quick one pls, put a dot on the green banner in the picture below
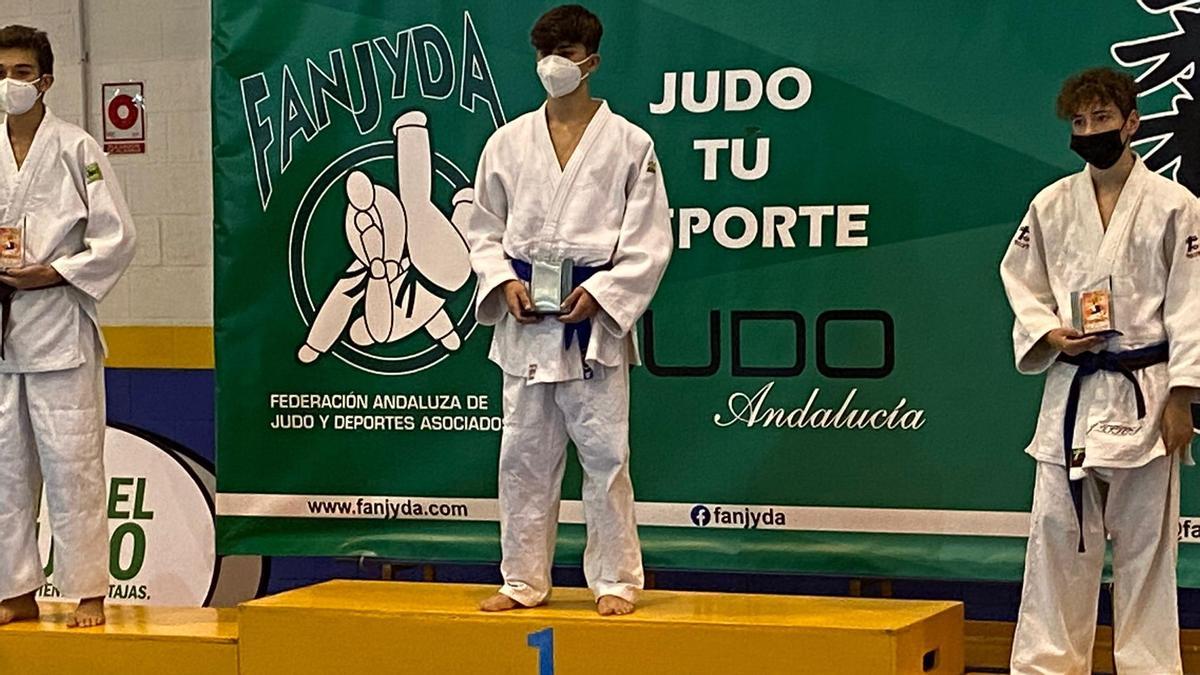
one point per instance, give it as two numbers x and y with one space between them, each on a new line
829 384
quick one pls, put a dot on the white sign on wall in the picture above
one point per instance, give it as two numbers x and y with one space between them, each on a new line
124 117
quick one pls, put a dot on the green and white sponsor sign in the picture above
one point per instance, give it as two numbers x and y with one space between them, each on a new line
829 383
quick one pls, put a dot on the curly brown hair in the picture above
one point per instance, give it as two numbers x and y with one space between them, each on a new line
1097 85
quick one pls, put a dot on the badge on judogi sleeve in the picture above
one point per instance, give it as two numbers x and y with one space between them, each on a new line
1193 246
92 173
1022 238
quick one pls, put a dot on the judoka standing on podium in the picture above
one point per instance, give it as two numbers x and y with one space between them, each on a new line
569 189
1115 419
57 187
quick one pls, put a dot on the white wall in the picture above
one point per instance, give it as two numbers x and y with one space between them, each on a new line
164 43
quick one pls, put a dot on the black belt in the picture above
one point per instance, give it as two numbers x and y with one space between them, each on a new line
1088 364
6 297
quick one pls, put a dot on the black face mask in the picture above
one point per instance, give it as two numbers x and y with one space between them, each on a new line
1101 150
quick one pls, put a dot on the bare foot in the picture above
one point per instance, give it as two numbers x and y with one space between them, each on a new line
89 613
22 608
611 605
501 603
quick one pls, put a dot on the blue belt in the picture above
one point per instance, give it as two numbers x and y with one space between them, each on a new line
571 331
1088 364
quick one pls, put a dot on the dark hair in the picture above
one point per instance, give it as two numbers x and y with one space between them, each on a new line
567 23
36 41
1098 85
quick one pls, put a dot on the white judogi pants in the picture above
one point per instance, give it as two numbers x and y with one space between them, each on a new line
538 419
52 428
1057 625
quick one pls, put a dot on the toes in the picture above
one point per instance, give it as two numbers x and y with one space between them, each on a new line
497 604
614 606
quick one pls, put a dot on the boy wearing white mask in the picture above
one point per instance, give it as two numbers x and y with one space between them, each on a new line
569 237
68 238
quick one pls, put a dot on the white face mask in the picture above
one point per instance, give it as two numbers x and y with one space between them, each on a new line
17 96
559 75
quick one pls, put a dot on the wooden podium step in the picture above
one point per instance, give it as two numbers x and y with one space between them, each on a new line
136 641
422 628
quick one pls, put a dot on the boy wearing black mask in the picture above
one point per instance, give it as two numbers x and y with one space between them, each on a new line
1105 287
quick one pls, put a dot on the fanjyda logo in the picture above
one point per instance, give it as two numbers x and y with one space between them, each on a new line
408 257
701 516
397 296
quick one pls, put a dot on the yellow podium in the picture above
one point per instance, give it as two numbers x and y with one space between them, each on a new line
434 629
136 641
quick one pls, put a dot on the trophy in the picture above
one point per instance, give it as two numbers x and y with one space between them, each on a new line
550 284
12 245
1092 312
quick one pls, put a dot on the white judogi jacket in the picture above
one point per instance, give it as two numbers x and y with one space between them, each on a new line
1151 251
607 205
77 222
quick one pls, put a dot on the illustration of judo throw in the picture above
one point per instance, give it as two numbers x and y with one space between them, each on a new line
409 258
